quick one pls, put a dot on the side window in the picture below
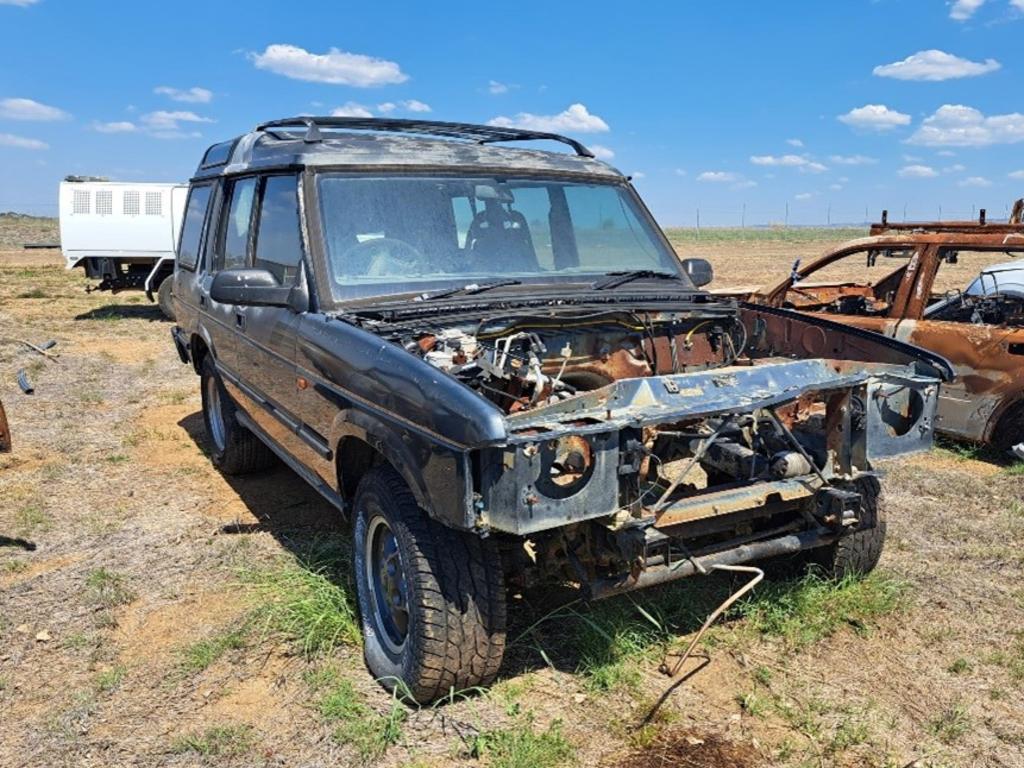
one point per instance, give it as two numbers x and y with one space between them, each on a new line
279 236
192 226
233 246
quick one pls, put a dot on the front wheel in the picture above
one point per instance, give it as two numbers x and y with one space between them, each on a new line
431 599
856 553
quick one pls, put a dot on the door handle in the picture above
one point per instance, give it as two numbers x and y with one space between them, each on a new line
202 300
240 319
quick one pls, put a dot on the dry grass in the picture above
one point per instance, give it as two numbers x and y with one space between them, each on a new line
163 614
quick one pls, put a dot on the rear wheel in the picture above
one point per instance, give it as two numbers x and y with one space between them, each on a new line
431 599
165 298
234 450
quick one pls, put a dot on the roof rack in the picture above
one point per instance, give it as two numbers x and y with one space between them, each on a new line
482 134
981 225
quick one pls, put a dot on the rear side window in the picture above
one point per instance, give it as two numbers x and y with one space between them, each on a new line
192 226
279 237
233 248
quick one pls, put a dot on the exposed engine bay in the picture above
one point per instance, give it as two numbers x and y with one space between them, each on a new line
526 362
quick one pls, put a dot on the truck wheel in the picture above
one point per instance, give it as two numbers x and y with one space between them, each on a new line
234 450
164 297
431 599
857 553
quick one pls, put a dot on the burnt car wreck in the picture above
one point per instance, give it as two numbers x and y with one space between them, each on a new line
493 360
979 328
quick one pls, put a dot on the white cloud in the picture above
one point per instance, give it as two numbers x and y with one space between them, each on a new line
975 181
917 172
118 126
638 175
412 105
601 152
680 171
10 140
947 152
336 67
745 184
163 124
957 168
852 160
719 177
934 66
803 196
797 142
194 95
575 119
19 3
493 86
955 125
351 109
27 109
835 187
962 10
387 106
1016 175
800 162
875 117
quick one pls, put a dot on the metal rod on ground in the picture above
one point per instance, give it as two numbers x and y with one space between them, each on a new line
758 575
41 350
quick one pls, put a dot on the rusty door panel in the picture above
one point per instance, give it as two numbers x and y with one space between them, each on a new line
990 375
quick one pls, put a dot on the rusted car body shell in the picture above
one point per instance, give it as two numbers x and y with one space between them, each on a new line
988 359
5 432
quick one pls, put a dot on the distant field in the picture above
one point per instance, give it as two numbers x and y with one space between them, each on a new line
16 229
691 235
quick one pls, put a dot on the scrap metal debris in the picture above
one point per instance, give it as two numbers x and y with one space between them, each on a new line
24 383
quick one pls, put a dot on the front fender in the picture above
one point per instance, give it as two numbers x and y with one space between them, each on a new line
437 475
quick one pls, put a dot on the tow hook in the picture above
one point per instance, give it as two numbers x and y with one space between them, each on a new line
838 508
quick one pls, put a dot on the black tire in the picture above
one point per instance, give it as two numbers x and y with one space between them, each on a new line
165 298
858 552
446 631
1009 432
234 450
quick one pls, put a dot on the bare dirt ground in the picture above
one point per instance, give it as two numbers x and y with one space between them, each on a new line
133 579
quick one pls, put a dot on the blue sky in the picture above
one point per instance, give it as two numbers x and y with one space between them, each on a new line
829 108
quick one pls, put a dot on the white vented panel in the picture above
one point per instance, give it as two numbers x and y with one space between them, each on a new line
104 202
154 204
131 203
81 201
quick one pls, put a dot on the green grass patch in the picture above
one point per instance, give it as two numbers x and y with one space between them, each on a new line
31 519
950 724
778 234
355 724
14 566
108 680
806 610
199 655
217 741
108 589
522 746
1016 469
959 666
33 293
308 599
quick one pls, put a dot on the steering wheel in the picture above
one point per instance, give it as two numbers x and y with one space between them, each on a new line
382 256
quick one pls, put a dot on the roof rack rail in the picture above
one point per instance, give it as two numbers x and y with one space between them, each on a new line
482 134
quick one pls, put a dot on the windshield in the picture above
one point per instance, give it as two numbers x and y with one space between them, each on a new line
390 234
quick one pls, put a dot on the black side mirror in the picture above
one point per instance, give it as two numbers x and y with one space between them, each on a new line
249 287
699 271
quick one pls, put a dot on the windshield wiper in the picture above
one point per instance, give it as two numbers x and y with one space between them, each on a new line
471 289
615 279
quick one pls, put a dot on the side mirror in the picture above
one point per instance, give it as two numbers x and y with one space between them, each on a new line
249 287
699 271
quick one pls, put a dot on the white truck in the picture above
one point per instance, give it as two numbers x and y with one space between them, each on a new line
123 234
